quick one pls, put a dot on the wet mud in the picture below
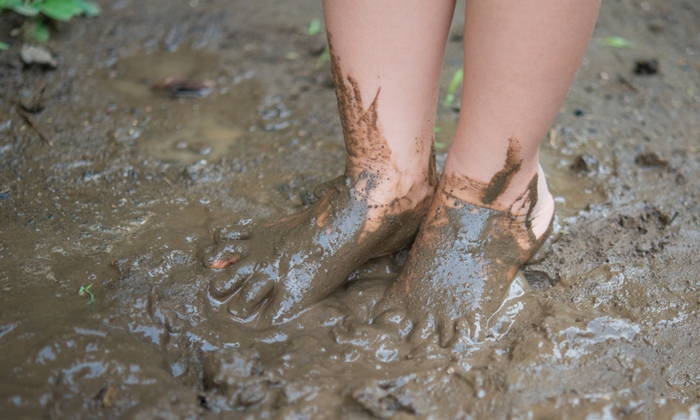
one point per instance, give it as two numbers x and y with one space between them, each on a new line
137 181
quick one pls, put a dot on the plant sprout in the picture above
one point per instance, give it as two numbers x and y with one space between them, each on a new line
325 56
617 42
86 290
314 27
454 84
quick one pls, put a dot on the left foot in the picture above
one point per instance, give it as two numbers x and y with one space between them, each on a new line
466 255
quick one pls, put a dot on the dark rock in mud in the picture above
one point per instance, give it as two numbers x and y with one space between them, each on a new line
651 160
585 164
539 278
646 67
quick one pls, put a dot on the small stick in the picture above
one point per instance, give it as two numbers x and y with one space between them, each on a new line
32 123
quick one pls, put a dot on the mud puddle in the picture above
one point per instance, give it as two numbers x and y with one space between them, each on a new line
228 121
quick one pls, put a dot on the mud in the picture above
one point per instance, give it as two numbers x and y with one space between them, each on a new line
501 180
608 327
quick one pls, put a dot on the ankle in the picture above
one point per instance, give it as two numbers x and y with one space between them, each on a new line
526 198
386 184
398 191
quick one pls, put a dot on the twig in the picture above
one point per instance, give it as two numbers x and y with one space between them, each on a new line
32 122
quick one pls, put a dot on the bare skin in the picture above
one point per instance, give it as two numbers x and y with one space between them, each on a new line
466 253
493 207
284 266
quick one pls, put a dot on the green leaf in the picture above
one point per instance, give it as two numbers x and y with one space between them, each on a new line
4 46
617 42
325 56
26 9
61 10
89 8
315 27
457 79
86 289
36 31
9 4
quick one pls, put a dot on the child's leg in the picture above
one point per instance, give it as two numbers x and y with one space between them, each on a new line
492 206
390 54
386 58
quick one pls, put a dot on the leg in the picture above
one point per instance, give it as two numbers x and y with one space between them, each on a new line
492 207
386 58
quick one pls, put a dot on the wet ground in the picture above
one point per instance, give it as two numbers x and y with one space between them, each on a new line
135 181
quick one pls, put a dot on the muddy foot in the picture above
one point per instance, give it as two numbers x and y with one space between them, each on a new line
457 284
268 274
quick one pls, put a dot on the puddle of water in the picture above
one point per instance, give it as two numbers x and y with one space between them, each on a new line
200 137
186 129
136 74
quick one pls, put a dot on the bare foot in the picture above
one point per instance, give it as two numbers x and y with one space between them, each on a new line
272 272
468 251
284 266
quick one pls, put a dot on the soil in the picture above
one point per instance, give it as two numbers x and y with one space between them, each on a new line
109 183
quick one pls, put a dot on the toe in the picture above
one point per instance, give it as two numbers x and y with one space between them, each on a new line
252 295
232 233
222 256
395 319
422 331
446 330
227 283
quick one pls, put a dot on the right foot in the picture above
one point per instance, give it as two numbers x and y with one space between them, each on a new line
271 273
284 266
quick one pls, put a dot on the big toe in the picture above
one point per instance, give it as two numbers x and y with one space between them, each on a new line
394 319
226 283
221 256
232 233
251 296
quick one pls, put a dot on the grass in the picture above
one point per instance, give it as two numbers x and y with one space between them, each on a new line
325 56
86 290
457 79
38 11
314 27
617 42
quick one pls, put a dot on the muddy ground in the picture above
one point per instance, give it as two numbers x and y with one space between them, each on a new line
135 182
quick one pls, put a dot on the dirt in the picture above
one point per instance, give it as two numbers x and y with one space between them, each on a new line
117 185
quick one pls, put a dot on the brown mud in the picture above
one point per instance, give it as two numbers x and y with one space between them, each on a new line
136 181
